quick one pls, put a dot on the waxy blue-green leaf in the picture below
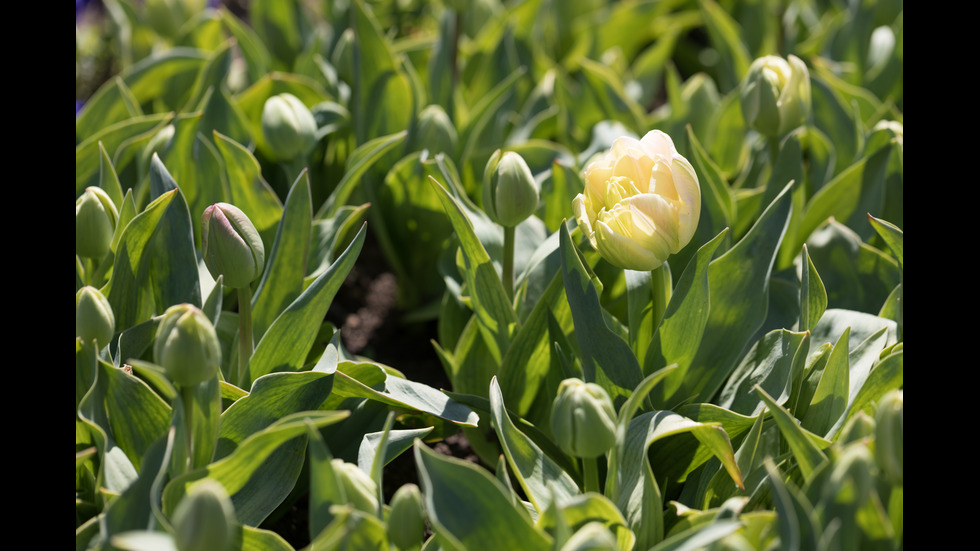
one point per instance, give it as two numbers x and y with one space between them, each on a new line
173 260
129 291
772 364
287 342
132 509
581 509
698 537
813 295
678 337
357 164
254 52
474 121
796 519
498 322
247 189
888 374
715 485
350 529
397 442
830 395
257 486
892 235
164 80
272 397
325 488
282 280
282 26
541 478
87 157
112 103
835 119
109 180
809 455
470 508
637 492
726 37
739 289
212 74
717 201
330 238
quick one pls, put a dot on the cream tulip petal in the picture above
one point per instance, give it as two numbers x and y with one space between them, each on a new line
657 143
581 208
654 223
622 251
596 176
689 191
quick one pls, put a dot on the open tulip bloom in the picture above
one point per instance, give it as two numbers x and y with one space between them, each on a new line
641 203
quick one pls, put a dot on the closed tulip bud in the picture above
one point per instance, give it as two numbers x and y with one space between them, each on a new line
204 519
510 193
93 317
406 522
288 126
232 246
583 419
850 478
776 95
594 536
889 436
642 202
436 132
187 346
95 222
858 428
360 489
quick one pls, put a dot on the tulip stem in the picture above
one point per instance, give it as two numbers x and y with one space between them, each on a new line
508 275
187 401
591 466
244 333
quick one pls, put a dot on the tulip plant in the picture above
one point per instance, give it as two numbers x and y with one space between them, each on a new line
655 250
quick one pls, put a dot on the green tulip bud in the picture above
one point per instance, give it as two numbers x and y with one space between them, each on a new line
776 95
360 489
594 536
858 428
889 436
95 222
406 522
204 519
93 317
288 126
510 193
850 479
187 346
583 419
232 246
436 132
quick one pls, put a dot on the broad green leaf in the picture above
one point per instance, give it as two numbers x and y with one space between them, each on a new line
212 74
856 275
809 456
112 103
325 488
893 236
541 478
470 508
282 280
726 37
717 201
247 189
136 417
677 339
770 364
108 180
132 509
358 380
282 26
638 494
797 523
87 156
397 442
257 58
357 164
606 358
582 509
351 530
205 419
331 237
164 80
739 289
713 490
173 258
273 397
888 374
129 291
813 295
835 119
830 397
698 537
257 486
288 340
498 322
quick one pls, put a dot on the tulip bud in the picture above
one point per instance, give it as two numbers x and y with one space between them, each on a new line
850 478
594 536
204 519
889 436
436 132
510 193
93 317
187 346
583 419
288 126
406 522
642 202
360 489
776 95
95 222
232 246
858 428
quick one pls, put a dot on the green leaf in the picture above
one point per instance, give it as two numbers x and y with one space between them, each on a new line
112 103
813 295
698 537
830 397
470 508
352 530
247 189
357 164
258 486
287 342
325 488
273 397
108 180
726 37
540 477
498 322
397 442
87 153
893 236
173 258
802 444
282 280
132 509
798 528
770 364
606 358
281 26
257 58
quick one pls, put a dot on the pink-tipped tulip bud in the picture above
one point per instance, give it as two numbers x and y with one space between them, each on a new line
232 246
